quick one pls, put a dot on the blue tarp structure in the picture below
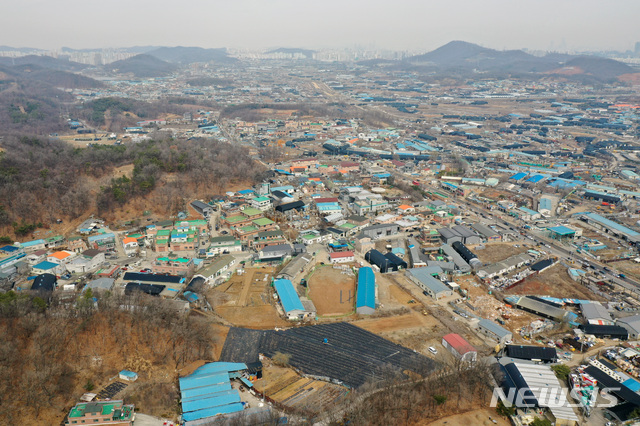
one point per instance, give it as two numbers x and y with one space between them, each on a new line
288 296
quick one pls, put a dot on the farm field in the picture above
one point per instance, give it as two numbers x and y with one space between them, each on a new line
246 300
496 252
332 291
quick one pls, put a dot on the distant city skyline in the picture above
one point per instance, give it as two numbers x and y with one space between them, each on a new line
559 25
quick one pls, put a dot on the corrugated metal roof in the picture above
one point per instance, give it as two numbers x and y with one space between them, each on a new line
494 328
366 291
288 296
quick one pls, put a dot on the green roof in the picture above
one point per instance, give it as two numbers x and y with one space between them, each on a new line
175 259
309 236
263 221
247 229
164 233
347 225
55 238
260 199
234 219
193 222
223 239
136 236
250 211
162 241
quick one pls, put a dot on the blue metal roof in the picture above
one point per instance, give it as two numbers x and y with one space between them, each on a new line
632 384
611 224
210 412
518 176
196 393
194 381
562 230
536 178
288 296
9 249
216 400
366 291
31 243
45 265
545 203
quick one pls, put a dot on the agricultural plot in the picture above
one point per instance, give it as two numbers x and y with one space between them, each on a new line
332 290
554 282
350 354
246 300
290 389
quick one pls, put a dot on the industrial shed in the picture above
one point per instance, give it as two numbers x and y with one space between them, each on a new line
595 313
395 262
366 291
424 278
378 259
296 205
544 310
207 392
493 330
606 331
532 353
289 299
459 347
203 208
467 254
489 234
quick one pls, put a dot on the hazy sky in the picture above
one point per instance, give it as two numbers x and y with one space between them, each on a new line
393 24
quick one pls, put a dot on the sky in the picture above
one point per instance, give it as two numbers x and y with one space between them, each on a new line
414 25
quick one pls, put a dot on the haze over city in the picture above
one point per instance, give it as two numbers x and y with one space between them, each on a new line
404 25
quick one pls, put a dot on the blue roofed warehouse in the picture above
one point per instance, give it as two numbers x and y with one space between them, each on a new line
366 291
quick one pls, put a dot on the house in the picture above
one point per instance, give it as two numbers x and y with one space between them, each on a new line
89 260
217 270
222 244
76 244
274 253
61 257
459 347
183 240
106 241
269 238
261 203
173 265
342 257
130 245
45 283
112 413
47 268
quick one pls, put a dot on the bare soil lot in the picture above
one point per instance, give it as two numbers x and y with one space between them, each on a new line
332 292
554 282
479 417
496 252
247 300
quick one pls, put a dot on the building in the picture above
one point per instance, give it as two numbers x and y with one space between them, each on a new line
425 278
289 207
459 347
100 284
611 227
45 283
606 331
289 299
595 313
173 265
261 203
342 257
631 324
494 331
276 253
204 209
545 310
459 233
216 270
89 260
366 291
380 231
112 413
532 353
489 234
295 266
207 392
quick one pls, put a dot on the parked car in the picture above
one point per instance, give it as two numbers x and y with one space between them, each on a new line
433 350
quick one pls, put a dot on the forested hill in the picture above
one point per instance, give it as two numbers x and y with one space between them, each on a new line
42 180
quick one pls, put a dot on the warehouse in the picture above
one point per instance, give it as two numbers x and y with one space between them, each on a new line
541 383
467 254
459 233
561 232
532 353
395 262
545 206
295 266
378 259
207 392
595 313
291 304
601 196
296 205
459 347
606 331
461 265
424 278
544 310
611 227
366 291
494 331
341 257
381 230
204 209
631 324
489 234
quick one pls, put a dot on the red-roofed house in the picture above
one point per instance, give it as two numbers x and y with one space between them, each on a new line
405 208
460 347
60 257
342 257
326 200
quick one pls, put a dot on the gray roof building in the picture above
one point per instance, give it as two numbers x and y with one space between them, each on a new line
632 324
595 313
494 330
423 278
